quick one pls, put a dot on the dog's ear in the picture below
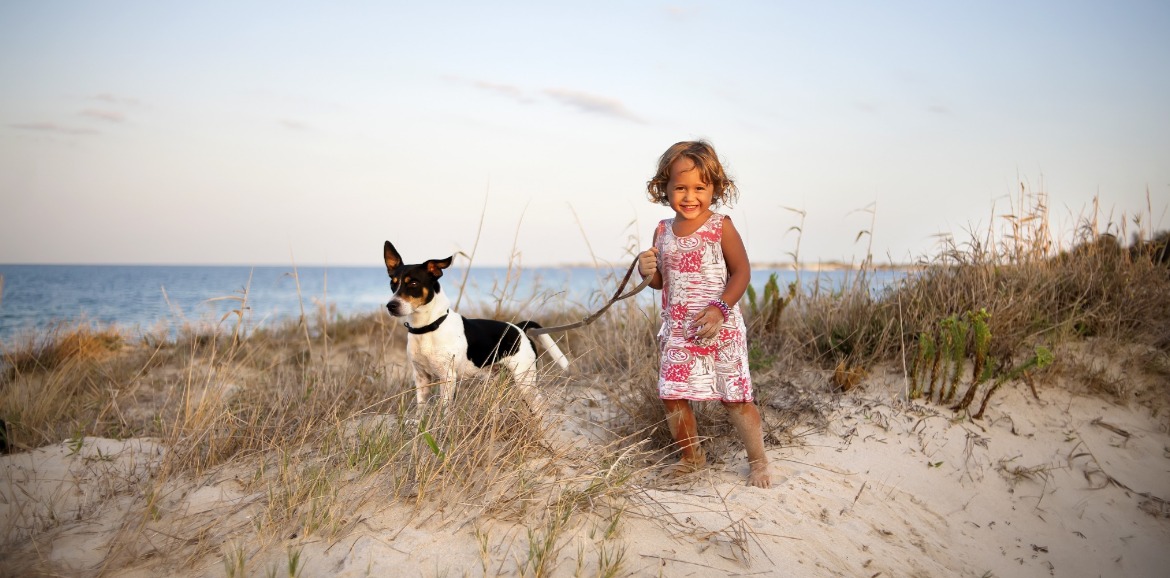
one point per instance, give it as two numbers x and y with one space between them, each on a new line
436 266
393 260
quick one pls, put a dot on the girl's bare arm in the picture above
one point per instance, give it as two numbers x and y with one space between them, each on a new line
739 270
648 264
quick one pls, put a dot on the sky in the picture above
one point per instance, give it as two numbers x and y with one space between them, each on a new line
261 133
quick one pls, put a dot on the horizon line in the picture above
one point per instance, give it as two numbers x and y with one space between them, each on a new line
771 265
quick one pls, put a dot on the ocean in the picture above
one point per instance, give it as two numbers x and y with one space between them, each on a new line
151 298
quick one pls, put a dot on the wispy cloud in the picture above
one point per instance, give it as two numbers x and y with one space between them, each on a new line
868 107
577 99
106 115
508 90
593 103
52 127
116 99
680 12
293 124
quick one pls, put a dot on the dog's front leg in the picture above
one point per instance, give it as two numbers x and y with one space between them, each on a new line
422 389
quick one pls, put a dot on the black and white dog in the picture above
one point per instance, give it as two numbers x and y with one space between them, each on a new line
443 345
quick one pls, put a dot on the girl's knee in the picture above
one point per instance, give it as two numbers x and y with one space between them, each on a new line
739 406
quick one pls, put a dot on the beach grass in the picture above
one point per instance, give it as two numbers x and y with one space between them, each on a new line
314 421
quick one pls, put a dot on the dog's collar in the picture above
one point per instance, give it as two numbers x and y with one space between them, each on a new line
429 327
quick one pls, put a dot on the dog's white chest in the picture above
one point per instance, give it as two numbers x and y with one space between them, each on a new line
440 354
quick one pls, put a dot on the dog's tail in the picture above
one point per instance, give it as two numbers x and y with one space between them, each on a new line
546 343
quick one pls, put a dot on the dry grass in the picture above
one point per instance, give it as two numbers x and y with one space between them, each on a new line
1028 288
315 419
316 422
58 345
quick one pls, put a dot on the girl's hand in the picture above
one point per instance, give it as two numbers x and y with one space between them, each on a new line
707 323
648 262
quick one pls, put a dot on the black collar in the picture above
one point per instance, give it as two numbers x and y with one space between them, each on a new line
428 328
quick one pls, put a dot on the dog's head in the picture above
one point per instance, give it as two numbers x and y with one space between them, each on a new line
412 286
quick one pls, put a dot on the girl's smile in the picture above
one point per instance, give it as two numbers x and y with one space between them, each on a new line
689 195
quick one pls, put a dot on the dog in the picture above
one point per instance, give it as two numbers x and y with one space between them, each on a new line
442 345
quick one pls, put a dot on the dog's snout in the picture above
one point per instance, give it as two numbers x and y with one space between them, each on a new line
399 307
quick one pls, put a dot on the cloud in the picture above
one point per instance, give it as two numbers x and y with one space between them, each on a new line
582 101
106 115
115 99
54 128
592 103
508 90
868 107
293 124
680 12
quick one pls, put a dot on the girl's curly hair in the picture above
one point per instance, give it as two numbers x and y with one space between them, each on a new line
710 169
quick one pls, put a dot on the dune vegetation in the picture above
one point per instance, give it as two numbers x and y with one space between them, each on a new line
307 432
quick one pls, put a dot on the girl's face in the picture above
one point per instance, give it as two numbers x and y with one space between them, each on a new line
689 196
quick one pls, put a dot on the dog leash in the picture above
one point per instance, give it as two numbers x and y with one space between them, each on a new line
617 296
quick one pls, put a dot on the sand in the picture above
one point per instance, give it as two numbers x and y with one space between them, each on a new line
1069 483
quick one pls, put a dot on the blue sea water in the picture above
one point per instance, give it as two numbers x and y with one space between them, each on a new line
142 298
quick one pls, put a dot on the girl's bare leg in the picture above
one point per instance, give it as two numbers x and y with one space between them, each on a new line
746 419
683 428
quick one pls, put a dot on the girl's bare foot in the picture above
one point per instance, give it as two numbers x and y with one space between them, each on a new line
683 467
681 420
760 476
746 419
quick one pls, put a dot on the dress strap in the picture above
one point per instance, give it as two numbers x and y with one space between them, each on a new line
716 223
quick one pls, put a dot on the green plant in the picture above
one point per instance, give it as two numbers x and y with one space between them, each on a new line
920 370
294 563
759 358
980 325
948 331
1041 358
430 439
75 442
959 336
610 559
948 356
235 561
542 543
980 372
770 307
936 359
374 448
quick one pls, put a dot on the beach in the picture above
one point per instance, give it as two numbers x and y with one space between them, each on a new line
1065 482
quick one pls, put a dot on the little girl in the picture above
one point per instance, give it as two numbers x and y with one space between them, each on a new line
699 262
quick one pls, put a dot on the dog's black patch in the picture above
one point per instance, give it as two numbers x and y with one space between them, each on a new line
526 325
489 340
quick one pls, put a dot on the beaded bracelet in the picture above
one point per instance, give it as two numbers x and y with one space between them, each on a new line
723 308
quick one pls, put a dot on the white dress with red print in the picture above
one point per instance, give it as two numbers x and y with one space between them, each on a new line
694 274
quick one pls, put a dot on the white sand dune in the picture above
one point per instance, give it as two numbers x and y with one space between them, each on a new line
1069 484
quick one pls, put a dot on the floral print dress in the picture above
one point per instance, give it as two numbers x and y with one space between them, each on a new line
694 273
